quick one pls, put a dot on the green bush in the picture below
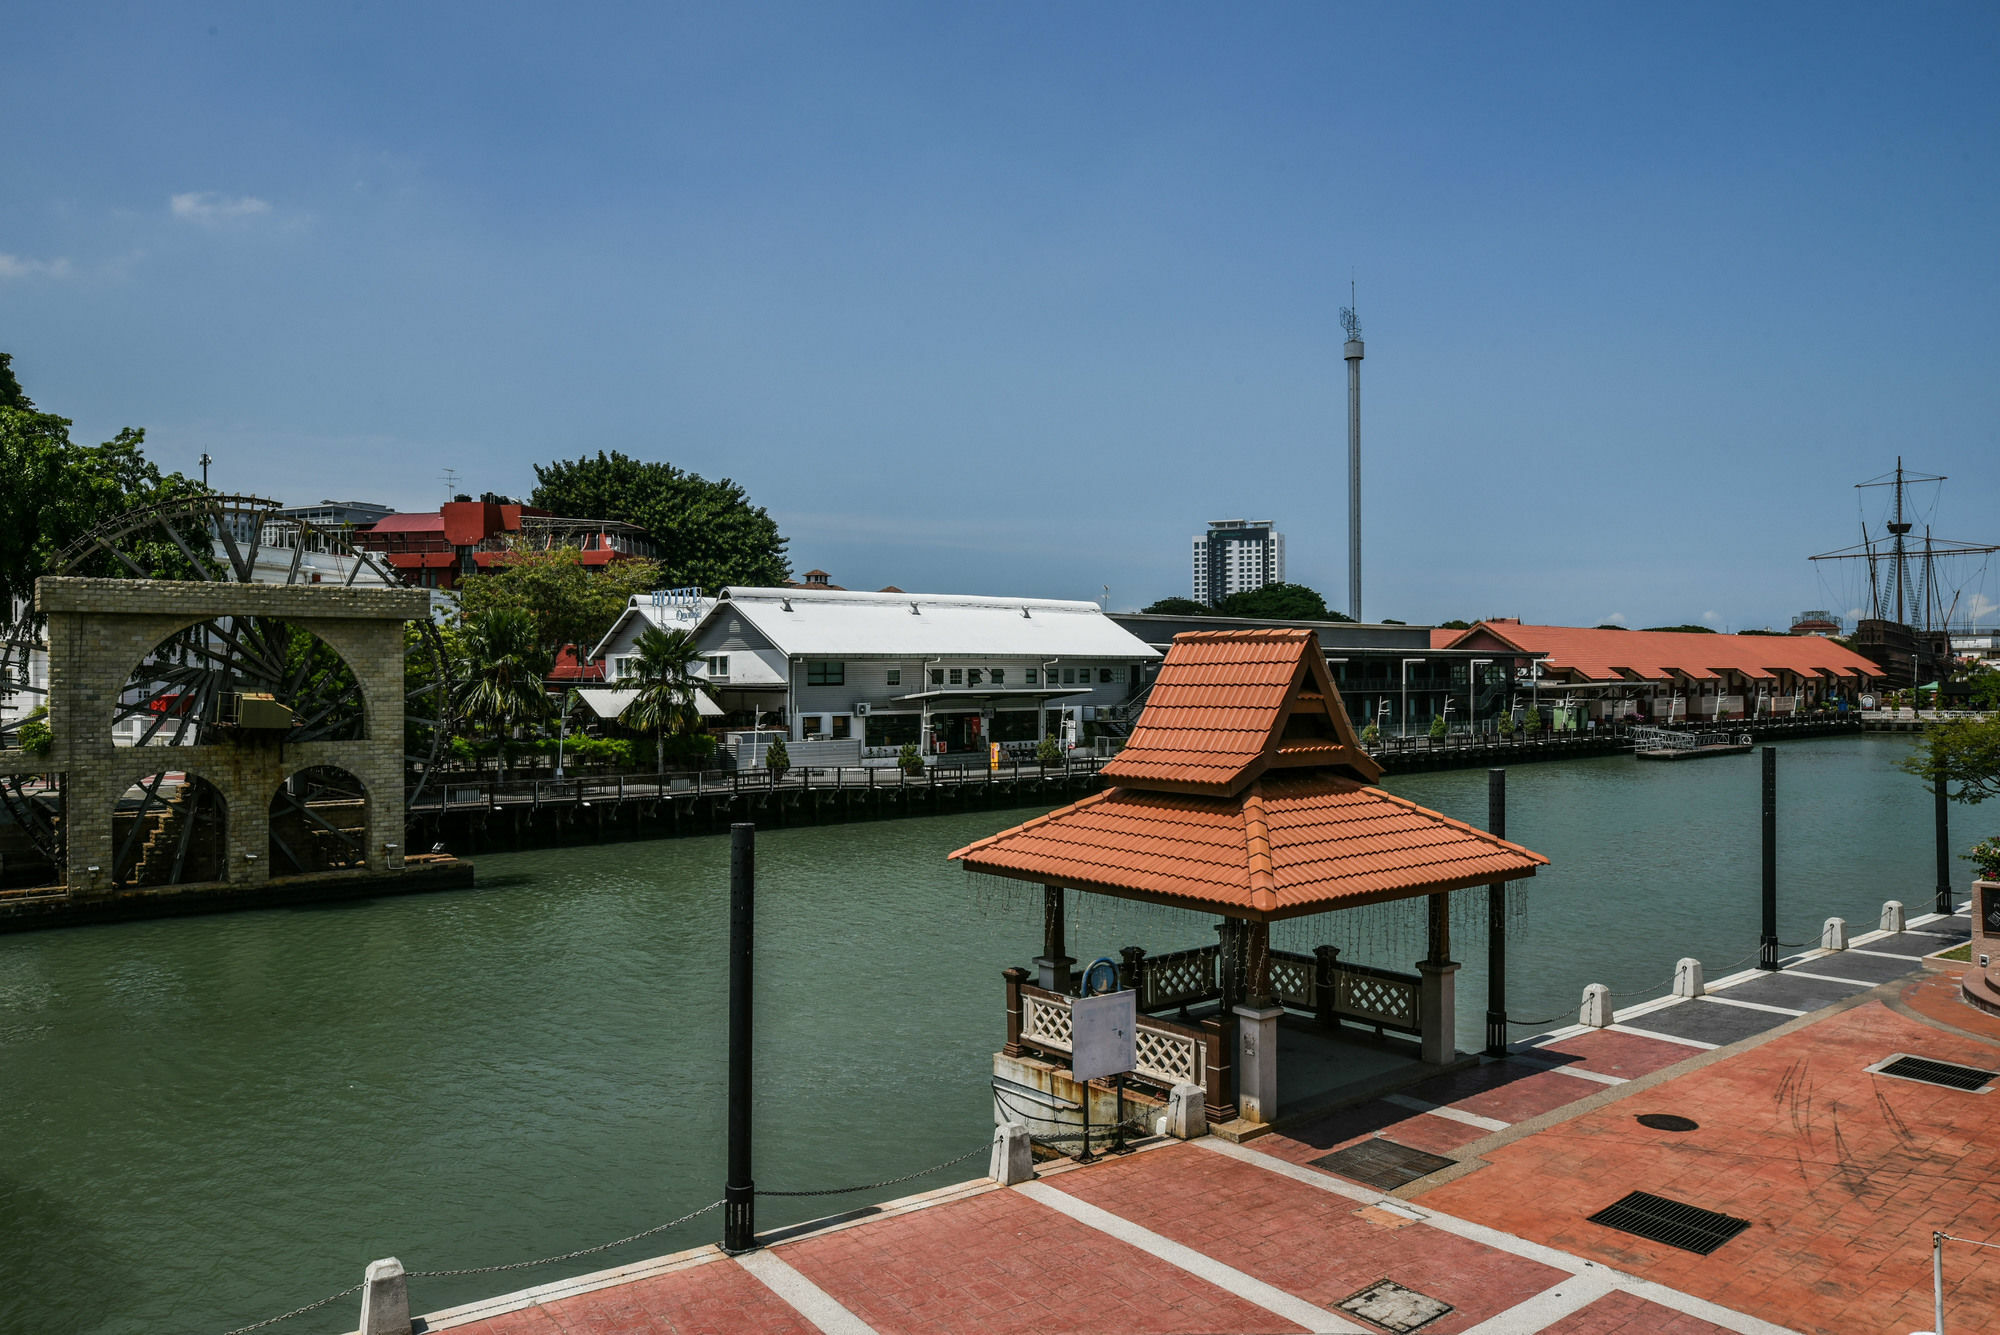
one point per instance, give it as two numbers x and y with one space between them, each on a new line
36 737
909 759
776 758
1370 735
1438 728
1507 723
1049 752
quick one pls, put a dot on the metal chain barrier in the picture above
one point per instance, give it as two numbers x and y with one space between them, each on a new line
1136 1123
889 1182
568 1256
300 1311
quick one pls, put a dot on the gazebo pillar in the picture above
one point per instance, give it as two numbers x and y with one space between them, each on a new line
1257 1029
1437 999
1053 964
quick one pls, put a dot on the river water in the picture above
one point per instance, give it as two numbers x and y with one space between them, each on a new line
213 1120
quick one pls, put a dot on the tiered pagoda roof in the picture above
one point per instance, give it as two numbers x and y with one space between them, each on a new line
1243 790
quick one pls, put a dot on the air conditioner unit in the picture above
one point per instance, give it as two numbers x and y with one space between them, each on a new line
861 709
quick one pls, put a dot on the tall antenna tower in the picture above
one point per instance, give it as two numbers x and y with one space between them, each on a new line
1351 322
450 483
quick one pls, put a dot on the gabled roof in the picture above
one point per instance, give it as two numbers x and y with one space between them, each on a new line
1230 704
833 623
1596 654
1244 791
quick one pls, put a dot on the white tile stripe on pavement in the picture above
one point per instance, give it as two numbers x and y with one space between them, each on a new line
1752 1005
1829 978
1547 1307
1884 954
1445 1111
1562 1068
1713 1313
1662 1038
806 1298
1225 1277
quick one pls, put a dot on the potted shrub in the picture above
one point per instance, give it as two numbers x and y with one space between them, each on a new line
1438 729
1370 735
1985 856
910 760
776 758
1507 724
1048 752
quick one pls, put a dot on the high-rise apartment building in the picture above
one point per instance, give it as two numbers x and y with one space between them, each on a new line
1236 556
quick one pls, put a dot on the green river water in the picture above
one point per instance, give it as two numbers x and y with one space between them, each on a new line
213 1120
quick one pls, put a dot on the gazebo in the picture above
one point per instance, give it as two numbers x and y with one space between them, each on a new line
1243 792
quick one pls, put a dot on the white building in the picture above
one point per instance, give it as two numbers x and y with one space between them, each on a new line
1237 556
667 609
952 674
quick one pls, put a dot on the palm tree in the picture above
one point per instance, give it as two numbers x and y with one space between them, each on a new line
504 669
664 667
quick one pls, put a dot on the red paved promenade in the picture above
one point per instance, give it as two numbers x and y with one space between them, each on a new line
1842 1174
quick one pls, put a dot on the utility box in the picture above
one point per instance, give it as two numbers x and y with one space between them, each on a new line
256 711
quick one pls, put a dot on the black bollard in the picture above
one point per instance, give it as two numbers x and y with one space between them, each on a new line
739 1194
1496 923
1944 895
1767 945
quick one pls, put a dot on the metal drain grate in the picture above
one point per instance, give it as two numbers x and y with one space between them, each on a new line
1688 1227
1667 1122
1382 1164
1930 1072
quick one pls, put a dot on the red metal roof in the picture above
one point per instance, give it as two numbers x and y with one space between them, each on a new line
1243 790
1656 655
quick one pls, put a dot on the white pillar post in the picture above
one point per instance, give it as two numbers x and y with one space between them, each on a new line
1013 1156
385 1299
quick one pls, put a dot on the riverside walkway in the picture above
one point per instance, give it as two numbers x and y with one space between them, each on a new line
1754 1100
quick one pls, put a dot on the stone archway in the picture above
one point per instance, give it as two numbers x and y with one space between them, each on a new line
318 822
169 828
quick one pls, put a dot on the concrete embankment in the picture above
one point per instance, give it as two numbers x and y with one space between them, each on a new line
27 910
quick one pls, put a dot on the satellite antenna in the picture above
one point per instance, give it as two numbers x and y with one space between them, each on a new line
450 483
1349 320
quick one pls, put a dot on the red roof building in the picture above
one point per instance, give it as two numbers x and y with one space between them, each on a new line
1243 791
1673 675
466 537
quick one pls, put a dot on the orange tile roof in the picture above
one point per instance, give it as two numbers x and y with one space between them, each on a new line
1655 655
1289 845
1243 790
1222 709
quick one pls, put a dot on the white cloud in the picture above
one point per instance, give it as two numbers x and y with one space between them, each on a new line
1979 608
1615 619
16 266
205 206
1856 613
1711 616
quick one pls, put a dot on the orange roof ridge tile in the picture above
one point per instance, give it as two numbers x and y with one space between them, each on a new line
1257 842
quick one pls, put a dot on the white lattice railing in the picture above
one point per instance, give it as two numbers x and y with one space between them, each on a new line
1295 980
1376 996
1163 1053
1178 978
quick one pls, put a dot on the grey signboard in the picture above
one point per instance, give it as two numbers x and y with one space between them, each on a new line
1101 1030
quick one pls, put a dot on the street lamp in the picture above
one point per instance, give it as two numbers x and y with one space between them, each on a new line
1472 692
562 728
1406 693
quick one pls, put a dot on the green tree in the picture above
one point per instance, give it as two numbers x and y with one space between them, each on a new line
500 682
1454 625
1439 729
1178 607
1964 753
1279 602
709 533
53 491
568 602
1687 629
664 668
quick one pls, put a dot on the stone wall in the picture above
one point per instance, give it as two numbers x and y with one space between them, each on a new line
99 630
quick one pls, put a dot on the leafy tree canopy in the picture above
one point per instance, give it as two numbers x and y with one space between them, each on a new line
55 491
1279 602
1178 607
1687 629
1454 625
1965 753
709 533
1607 625
1779 633
567 601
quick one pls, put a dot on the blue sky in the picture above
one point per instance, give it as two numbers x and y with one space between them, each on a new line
1014 298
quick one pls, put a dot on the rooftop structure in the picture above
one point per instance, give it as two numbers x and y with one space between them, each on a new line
466 537
1237 556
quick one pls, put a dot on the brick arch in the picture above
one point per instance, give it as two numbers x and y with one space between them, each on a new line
318 819
338 639
169 840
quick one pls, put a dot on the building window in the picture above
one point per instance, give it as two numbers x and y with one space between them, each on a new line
972 676
821 672
937 676
895 676
1031 675
811 725
1069 676
718 666
1104 676
999 676
840 727
957 677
